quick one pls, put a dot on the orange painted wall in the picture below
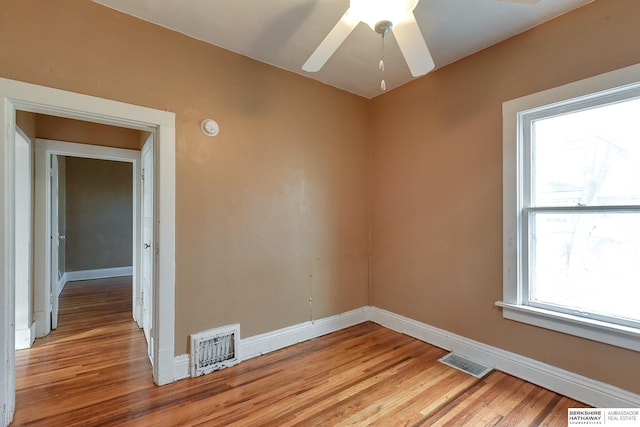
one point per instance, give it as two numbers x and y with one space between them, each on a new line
270 212
81 132
437 185
280 206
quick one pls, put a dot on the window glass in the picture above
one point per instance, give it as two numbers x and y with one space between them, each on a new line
586 263
587 158
583 250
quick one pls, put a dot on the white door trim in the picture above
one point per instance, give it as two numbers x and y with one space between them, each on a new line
45 231
144 294
15 95
52 211
24 241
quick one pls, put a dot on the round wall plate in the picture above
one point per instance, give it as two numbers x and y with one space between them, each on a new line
210 127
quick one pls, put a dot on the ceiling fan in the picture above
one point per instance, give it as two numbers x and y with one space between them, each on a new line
383 16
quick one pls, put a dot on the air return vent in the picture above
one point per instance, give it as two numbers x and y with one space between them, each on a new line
214 349
465 365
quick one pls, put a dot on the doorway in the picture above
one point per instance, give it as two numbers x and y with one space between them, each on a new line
48 277
16 95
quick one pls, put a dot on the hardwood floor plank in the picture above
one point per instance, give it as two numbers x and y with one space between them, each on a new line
93 371
417 408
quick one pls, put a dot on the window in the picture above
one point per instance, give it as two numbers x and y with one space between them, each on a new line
572 208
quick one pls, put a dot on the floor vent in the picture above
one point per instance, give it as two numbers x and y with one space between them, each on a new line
214 349
465 365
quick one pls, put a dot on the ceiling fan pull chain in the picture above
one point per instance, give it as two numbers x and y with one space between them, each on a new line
383 85
381 65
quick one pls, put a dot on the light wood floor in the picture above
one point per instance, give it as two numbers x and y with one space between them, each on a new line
93 371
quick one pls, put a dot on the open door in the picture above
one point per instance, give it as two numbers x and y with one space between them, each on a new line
24 335
147 243
55 240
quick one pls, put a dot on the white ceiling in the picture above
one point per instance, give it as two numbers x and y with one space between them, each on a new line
284 33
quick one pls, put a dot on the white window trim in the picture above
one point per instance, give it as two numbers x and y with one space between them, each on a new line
512 166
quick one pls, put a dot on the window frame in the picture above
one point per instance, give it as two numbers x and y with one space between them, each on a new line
517 113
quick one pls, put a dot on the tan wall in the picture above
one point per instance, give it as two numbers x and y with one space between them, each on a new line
437 185
27 123
99 214
275 209
81 132
279 194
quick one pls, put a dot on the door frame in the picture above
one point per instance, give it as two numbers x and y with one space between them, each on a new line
144 294
16 95
51 209
25 328
45 249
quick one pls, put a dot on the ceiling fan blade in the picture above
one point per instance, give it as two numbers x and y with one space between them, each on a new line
331 43
413 47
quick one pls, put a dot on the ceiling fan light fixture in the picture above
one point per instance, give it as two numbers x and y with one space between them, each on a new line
373 11
382 16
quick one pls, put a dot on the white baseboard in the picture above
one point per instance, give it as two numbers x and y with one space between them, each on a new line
265 343
61 282
567 383
98 273
164 366
25 337
181 367
40 320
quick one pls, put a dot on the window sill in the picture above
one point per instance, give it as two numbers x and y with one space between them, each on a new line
620 336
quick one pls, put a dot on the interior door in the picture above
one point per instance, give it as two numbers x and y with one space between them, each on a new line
55 241
23 238
147 243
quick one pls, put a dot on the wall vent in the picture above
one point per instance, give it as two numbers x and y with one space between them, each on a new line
214 349
465 365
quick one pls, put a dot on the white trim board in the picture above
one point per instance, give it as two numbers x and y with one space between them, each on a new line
266 343
181 367
96 273
567 383
258 345
62 281
578 387
25 337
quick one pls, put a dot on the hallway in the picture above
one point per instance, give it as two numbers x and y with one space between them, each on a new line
96 349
